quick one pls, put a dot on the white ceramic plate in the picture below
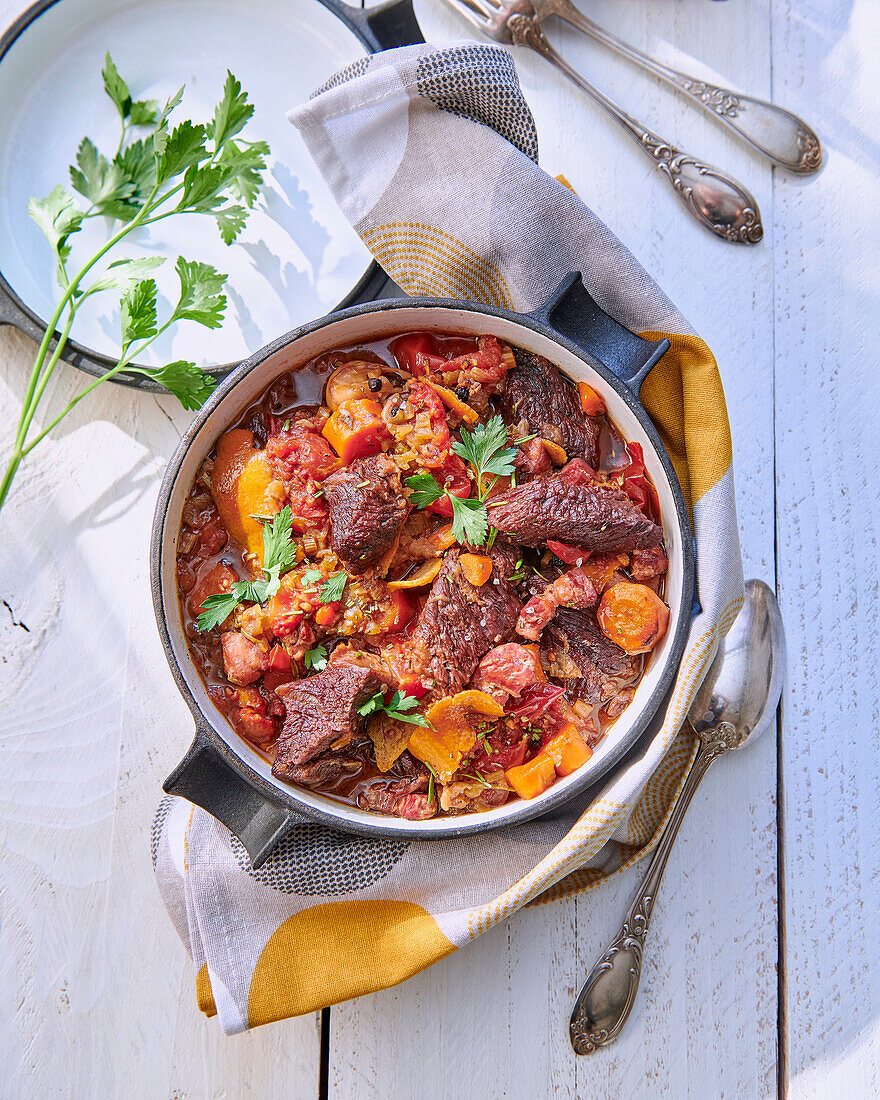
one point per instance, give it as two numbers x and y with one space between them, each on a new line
298 255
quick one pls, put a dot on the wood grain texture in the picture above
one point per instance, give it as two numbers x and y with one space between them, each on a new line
827 295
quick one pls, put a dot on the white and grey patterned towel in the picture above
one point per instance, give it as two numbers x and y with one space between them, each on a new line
432 154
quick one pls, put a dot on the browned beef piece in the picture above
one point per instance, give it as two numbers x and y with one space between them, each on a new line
459 624
405 798
647 564
320 710
538 394
367 509
323 771
577 636
592 516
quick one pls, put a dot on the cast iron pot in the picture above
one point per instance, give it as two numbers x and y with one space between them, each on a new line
223 773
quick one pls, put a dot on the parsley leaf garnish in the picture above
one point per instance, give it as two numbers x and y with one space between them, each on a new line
469 522
425 490
316 658
217 609
190 167
485 448
395 707
311 576
332 589
279 556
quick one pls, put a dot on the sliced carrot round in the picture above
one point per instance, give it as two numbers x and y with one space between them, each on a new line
633 616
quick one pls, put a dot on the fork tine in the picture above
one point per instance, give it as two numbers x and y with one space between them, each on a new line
486 7
474 15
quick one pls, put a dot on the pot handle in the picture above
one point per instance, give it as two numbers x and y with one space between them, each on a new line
572 312
383 27
204 777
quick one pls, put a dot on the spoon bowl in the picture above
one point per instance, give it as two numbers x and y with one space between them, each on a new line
744 683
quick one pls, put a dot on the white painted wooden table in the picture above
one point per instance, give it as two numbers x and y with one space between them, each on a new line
761 968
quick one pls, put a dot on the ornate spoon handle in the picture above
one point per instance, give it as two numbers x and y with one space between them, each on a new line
781 136
608 995
715 199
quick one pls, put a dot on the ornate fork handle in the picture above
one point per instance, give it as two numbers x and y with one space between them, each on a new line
783 137
715 199
608 995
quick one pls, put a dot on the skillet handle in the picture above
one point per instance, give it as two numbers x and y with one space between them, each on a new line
382 27
572 312
204 777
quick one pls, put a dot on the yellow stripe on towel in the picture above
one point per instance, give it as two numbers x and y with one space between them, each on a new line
343 949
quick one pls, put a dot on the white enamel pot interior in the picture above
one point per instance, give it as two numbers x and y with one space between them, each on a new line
380 321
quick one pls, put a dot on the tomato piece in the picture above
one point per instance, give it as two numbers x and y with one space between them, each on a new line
454 479
402 611
417 353
279 659
534 700
636 485
273 680
571 555
357 429
300 449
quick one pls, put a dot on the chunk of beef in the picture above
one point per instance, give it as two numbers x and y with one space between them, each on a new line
405 798
320 710
460 623
649 563
367 509
324 771
575 639
572 589
592 516
532 460
507 670
537 393
243 660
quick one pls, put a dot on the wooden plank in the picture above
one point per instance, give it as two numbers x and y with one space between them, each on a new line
828 423
493 1018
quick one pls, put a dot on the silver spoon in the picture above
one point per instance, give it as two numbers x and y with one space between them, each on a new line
736 703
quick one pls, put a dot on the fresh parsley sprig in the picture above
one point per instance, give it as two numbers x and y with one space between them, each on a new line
157 171
316 659
485 450
396 707
279 556
331 590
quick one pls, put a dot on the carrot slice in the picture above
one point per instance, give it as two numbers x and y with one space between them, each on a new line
531 779
633 616
591 402
568 750
557 454
442 745
477 568
240 484
442 538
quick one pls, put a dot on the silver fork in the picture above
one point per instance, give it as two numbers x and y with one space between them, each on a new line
715 199
780 135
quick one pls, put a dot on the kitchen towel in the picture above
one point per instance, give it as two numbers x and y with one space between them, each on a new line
432 154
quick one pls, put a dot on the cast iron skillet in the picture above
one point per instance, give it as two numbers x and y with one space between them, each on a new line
379 28
227 777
